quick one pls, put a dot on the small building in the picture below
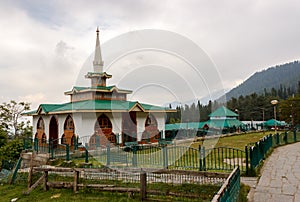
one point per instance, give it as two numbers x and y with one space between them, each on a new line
99 113
224 119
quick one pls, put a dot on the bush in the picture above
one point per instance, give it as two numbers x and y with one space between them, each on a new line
11 150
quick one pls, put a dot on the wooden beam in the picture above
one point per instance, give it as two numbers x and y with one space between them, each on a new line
34 185
46 187
76 178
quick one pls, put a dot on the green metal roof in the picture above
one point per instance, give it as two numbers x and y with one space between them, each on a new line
223 112
50 107
96 105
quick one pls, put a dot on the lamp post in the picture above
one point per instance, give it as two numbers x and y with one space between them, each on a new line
238 113
274 102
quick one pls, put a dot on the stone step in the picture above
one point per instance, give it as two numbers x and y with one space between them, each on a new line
39 159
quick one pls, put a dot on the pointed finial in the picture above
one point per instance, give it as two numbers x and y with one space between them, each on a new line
98 63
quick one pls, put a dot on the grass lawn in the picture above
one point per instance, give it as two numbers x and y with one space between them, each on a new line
8 192
235 141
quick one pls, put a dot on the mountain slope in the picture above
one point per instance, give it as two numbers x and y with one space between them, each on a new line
286 75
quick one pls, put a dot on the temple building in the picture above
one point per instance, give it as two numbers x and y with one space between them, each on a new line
99 113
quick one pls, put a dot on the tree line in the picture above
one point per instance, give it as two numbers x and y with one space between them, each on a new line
256 107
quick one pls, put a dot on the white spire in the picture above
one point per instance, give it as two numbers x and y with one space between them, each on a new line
98 62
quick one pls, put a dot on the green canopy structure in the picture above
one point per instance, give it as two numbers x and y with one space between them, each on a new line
190 125
272 122
225 123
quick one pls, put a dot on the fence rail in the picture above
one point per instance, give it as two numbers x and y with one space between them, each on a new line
230 189
124 180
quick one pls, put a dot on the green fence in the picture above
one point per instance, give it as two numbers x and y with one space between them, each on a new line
258 151
230 189
164 154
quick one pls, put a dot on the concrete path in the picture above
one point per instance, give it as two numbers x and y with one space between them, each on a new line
280 179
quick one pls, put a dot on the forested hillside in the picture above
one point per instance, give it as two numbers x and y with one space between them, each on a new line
284 77
252 99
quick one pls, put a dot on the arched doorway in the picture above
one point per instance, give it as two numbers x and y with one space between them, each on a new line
40 131
129 127
103 133
69 131
151 132
53 131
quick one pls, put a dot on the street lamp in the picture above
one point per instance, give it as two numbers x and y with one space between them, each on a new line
274 102
238 113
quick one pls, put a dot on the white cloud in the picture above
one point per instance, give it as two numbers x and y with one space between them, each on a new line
43 44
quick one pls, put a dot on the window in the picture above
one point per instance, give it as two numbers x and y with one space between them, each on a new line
151 121
69 124
40 124
103 122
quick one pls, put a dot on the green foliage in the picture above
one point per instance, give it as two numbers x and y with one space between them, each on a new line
10 114
11 151
280 80
3 137
244 190
253 107
8 192
290 110
250 107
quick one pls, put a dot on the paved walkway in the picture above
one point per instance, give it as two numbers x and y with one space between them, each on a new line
280 180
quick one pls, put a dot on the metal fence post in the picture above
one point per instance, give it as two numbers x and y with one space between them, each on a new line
17 167
285 137
295 136
67 152
36 145
75 143
200 158
107 154
86 153
204 159
97 141
251 159
277 139
271 141
165 156
52 150
49 148
134 157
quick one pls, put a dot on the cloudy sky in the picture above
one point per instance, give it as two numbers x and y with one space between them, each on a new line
45 44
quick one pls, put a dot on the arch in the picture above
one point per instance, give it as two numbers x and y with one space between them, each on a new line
151 122
151 132
40 131
103 123
53 130
103 133
69 131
